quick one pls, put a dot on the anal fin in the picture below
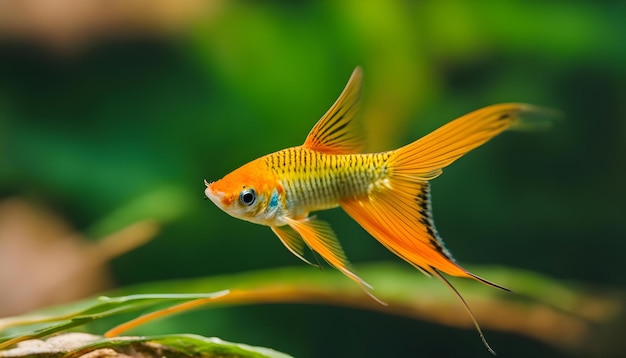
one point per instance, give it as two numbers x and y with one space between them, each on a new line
319 236
292 241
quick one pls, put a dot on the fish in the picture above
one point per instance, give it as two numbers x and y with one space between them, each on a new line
387 193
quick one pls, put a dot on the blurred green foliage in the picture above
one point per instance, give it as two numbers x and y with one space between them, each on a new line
145 119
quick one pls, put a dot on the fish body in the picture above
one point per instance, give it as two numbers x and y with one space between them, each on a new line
302 180
387 193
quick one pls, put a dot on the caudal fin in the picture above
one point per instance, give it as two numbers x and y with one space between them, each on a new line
425 158
397 208
467 308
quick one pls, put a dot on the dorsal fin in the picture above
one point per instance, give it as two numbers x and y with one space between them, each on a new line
338 131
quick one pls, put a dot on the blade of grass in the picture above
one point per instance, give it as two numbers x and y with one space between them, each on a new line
100 308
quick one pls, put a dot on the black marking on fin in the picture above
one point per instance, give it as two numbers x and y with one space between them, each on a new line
425 210
504 116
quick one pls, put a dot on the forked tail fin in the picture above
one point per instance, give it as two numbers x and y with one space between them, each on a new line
425 158
467 308
397 208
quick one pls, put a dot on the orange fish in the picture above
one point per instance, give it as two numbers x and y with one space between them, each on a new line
387 193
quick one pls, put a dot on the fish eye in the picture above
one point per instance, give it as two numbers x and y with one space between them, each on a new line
247 197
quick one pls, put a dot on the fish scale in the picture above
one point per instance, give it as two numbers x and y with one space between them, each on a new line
317 181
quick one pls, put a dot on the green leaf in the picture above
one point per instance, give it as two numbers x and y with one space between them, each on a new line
566 315
68 317
75 345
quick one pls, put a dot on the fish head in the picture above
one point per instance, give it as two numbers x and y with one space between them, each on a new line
250 193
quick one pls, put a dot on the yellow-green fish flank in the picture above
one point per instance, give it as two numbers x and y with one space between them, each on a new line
318 181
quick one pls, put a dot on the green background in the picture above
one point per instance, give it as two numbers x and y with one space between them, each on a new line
144 119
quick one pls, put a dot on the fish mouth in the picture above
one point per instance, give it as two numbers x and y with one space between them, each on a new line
215 197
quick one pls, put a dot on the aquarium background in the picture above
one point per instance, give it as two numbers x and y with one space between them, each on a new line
111 114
